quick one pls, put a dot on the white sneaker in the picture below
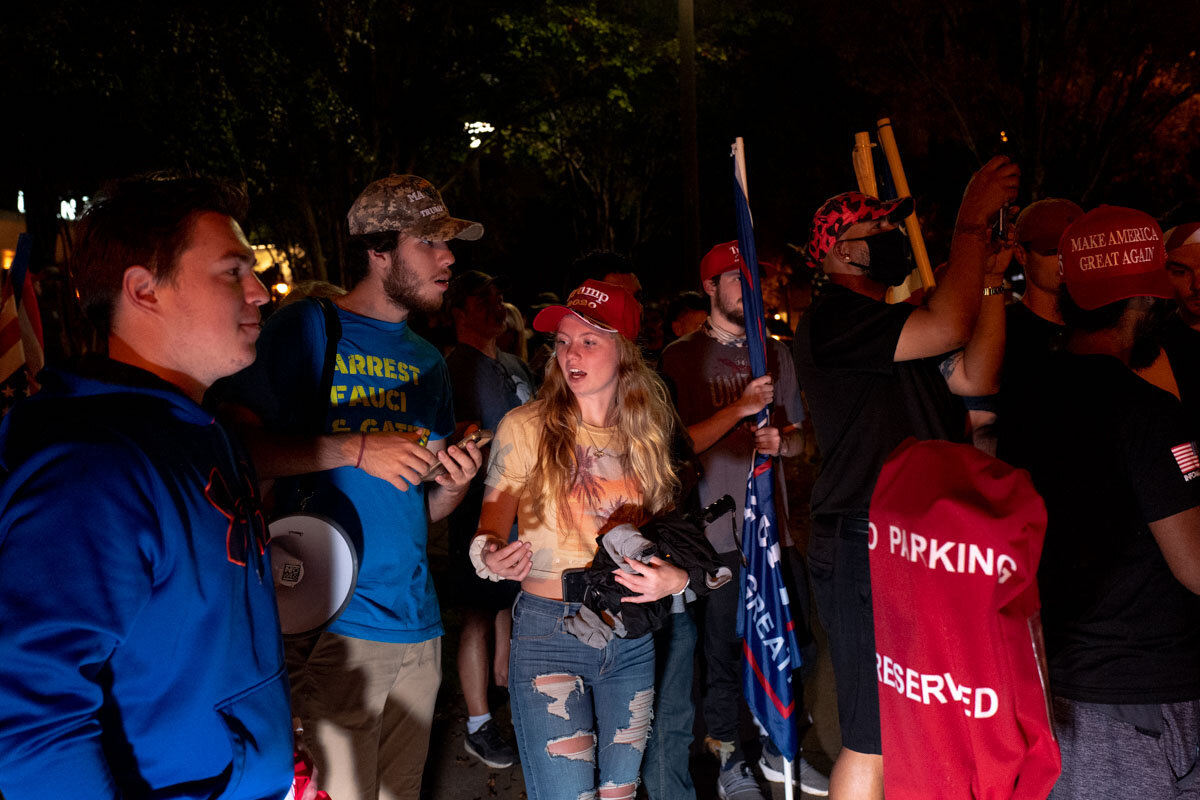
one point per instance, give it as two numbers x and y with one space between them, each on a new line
804 774
738 783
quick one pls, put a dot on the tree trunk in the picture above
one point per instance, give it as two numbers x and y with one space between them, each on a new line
316 253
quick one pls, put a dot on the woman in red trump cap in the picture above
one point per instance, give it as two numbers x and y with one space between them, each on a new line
592 451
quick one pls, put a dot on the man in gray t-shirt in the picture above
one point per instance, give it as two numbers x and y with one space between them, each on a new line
709 375
713 394
487 384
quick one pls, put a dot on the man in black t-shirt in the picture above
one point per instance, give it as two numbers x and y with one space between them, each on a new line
1117 465
1032 325
708 372
875 374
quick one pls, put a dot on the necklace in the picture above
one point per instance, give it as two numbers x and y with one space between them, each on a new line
723 336
596 448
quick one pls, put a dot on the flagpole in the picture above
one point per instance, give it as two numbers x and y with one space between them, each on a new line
739 158
887 141
864 164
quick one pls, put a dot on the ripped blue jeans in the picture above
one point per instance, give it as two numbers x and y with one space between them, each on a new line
581 715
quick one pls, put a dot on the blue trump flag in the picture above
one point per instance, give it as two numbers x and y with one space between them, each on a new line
765 620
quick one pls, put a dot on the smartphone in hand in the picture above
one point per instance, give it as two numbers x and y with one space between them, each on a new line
479 436
1005 147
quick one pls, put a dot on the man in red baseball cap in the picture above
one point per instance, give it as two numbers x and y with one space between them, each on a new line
1032 324
870 372
708 372
1115 459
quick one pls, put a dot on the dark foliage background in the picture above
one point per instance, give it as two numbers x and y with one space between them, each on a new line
306 101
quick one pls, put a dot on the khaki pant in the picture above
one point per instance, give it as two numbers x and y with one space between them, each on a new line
367 709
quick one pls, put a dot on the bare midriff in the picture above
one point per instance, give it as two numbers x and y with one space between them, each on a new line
543 587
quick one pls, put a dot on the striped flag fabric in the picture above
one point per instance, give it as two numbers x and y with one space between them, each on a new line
765 622
1186 458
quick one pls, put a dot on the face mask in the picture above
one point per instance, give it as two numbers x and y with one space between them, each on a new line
888 259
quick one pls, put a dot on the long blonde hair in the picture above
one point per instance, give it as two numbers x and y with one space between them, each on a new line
644 434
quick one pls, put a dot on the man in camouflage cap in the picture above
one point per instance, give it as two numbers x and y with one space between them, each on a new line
350 431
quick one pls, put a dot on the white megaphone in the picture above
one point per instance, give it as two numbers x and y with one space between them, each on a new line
315 568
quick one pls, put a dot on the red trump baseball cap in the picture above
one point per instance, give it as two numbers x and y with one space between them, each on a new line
1112 253
604 306
1040 224
721 259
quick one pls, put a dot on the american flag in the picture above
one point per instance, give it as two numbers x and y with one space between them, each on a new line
765 621
1186 458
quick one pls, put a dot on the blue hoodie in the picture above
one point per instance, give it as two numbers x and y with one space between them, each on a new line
140 653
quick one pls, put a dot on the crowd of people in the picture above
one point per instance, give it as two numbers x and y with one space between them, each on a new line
140 653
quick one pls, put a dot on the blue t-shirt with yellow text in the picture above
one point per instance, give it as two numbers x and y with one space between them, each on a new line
385 378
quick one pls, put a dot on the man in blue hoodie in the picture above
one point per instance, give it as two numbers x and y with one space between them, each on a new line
140 653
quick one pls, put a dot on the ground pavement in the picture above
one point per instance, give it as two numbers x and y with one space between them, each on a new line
451 774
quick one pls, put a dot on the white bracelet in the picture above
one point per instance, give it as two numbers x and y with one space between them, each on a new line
476 553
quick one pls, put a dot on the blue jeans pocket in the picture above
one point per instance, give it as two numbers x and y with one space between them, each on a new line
531 624
258 721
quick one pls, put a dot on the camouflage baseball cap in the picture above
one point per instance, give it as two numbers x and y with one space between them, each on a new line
411 205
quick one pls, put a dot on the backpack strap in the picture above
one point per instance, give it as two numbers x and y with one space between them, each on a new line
333 335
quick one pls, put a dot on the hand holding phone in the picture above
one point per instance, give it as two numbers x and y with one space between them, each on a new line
1007 148
480 436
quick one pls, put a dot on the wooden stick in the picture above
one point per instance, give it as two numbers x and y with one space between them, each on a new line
739 158
864 165
887 141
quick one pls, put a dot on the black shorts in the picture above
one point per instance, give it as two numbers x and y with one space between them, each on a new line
840 567
467 589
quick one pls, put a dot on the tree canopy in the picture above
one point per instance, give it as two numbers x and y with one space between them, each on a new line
306 102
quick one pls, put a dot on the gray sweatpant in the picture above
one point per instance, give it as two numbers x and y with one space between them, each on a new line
1107 752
